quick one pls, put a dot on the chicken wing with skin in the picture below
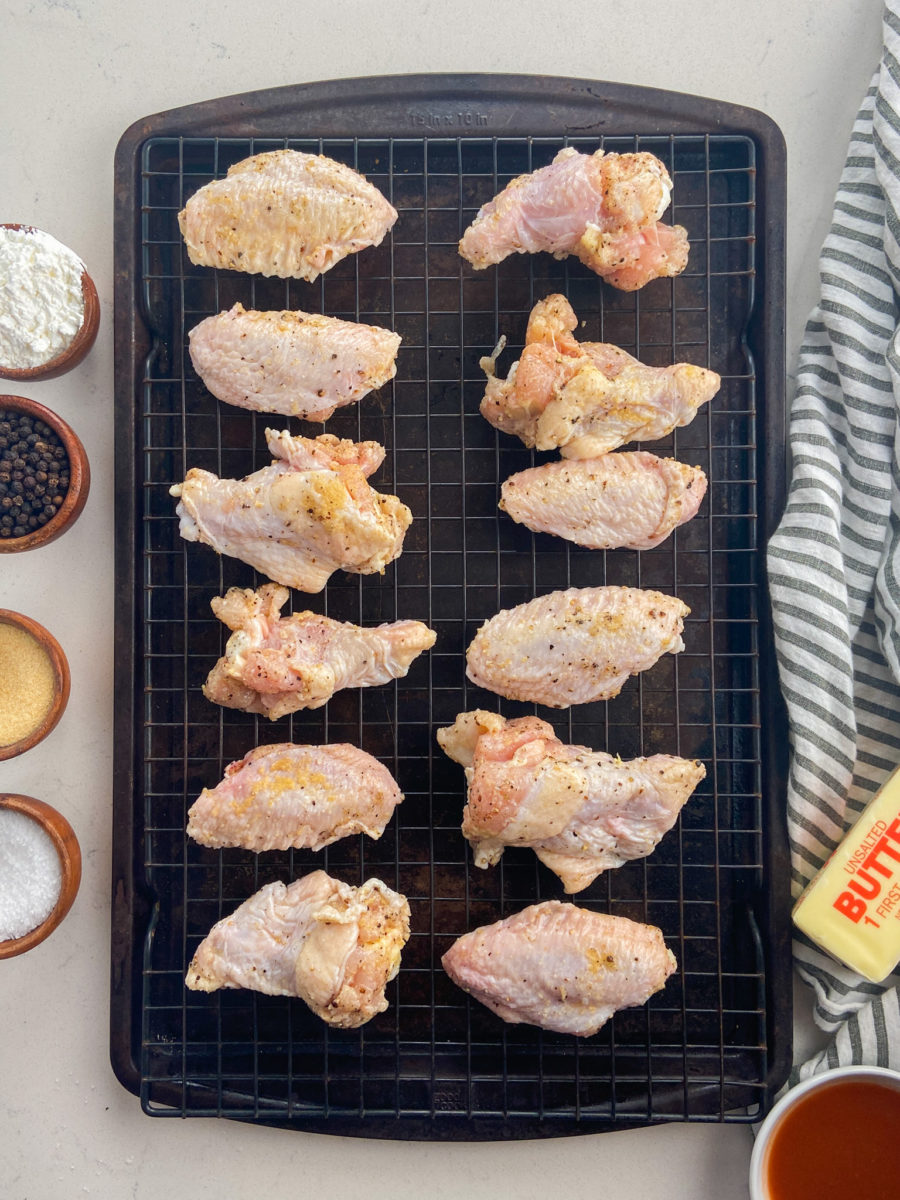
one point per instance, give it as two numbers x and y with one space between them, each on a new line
561 967
276 665
284 797
334 946
631 499
603 208
576 646
308 514
587 398
284 213
581 811
295 363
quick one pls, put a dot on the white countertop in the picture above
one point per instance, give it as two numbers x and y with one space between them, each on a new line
74 74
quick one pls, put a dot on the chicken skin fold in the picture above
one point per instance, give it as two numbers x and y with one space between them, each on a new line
284 797
295 363
284 213
310 513
575 646
276 665
603 208
587 398
561 967
581 811
334 946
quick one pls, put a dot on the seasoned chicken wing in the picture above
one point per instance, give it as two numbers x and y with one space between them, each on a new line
604 208
587 398
310 513
296 363
284 213
631 499
284 797
575 646
581 811
275 665
560 967
334 946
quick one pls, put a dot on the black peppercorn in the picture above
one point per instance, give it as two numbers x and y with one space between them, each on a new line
34 474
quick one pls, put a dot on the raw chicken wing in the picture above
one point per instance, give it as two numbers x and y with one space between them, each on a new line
575 646
295 363
560 967
310 513
631 499
587 398
581 811
284 213
285 797
276 665
335 946
604 208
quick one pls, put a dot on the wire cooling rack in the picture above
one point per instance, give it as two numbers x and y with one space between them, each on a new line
438 1064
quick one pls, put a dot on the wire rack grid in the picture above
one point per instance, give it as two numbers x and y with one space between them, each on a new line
436 1060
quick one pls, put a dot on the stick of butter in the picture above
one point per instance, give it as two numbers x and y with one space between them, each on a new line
852 907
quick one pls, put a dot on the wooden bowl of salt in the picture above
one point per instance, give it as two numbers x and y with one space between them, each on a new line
34 683
40 872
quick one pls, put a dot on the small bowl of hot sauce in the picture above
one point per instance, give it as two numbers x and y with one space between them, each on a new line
833 1135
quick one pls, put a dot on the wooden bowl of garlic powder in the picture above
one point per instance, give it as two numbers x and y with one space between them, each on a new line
34 683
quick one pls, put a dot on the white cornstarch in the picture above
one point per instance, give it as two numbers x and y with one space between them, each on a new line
41 297
30 874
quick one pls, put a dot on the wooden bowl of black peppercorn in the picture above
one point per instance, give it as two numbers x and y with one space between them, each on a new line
44 475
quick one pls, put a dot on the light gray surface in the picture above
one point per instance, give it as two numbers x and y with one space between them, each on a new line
73 77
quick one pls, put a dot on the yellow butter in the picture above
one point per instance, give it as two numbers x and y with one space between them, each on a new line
852 907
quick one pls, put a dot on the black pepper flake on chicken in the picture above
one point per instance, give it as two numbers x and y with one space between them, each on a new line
34 474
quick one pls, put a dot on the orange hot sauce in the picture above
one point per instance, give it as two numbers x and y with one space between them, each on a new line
840 1141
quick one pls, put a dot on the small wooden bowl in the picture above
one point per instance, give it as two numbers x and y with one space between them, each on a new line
79 477
69 852
61 683
76 349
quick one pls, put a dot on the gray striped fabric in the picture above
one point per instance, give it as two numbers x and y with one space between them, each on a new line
834 561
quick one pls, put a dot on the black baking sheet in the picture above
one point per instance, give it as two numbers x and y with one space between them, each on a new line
715 1044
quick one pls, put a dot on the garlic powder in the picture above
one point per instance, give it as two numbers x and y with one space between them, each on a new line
41 297
27 683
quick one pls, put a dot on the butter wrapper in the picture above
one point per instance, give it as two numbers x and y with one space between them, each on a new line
851 909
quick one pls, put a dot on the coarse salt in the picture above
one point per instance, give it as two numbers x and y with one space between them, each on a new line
41 297
30 874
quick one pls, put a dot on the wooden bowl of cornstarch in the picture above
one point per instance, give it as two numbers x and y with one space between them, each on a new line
49 308
40 872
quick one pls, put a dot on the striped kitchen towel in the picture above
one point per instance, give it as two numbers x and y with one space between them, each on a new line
834 561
